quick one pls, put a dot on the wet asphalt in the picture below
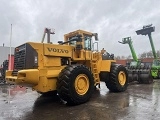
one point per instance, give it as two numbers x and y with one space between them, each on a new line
139 102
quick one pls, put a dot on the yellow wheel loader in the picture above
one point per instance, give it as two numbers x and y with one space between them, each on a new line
71 68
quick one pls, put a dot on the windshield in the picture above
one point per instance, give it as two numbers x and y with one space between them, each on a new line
87 42
73 43
156 63
133 63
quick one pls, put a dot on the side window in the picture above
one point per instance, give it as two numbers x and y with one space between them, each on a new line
87 43
72 43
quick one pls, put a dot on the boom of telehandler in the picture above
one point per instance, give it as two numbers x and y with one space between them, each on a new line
137 71
155 68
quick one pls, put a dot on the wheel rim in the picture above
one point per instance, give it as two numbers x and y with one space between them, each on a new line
81 84
122 77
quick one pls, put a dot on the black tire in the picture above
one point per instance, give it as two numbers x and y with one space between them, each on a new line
113 84
66 84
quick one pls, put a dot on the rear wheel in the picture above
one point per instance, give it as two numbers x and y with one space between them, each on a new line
118 78
75 84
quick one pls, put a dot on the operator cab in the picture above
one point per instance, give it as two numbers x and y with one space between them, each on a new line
87 42
80 39
156 63
133 64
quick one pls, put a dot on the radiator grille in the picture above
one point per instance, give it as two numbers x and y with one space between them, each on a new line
19 59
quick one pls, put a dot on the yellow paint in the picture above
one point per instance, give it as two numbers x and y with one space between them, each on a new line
50 56
122 78
81 84
53 73
29 77
45 84
8 73
105 65
57 50
52 61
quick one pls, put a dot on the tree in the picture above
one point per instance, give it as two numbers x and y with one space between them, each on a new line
123 57
143 55
129 57
149 54
117 57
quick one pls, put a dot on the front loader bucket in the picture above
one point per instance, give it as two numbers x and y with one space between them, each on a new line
132 75
145 77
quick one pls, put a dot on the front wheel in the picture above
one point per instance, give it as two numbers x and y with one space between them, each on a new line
75 84
118 78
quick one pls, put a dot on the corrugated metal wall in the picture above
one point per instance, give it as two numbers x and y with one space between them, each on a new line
4 52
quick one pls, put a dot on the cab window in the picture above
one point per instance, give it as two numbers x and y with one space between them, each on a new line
87 42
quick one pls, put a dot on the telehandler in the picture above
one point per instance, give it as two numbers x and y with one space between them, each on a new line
137 70
72 67
155 68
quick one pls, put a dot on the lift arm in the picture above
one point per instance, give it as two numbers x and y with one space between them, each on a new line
147 30
128 41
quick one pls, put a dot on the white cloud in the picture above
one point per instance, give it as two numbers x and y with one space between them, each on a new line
112 20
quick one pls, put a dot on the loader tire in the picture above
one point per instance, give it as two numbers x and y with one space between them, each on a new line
75 84
118 78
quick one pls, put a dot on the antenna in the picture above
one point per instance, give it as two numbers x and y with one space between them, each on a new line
10 49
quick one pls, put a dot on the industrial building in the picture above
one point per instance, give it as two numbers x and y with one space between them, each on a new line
5 52
147 61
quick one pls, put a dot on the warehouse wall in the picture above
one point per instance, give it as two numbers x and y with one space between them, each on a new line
147 61
4 52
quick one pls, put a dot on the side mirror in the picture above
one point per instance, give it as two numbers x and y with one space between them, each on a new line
96 36
60 42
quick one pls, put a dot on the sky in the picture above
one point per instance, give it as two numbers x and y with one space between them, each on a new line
111 19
